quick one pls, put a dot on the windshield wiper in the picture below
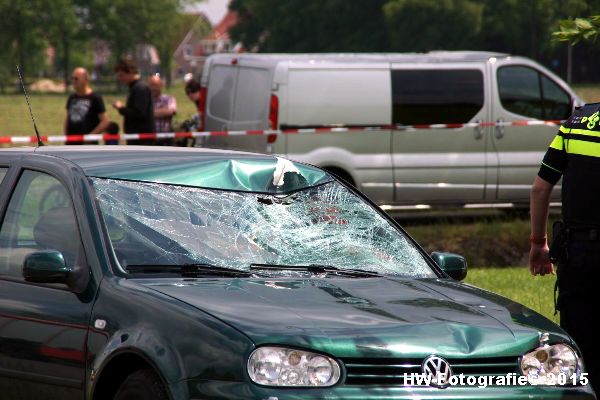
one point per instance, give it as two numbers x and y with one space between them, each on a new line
186 270
316 269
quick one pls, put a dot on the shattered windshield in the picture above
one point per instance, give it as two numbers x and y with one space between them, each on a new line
165 224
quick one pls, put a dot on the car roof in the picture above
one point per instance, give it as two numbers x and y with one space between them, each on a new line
108 160
211 168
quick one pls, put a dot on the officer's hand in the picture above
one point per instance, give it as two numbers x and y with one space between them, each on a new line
539 260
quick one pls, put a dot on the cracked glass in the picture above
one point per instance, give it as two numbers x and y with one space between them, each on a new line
164 224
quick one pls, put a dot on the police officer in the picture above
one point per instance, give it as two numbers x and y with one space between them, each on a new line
574 154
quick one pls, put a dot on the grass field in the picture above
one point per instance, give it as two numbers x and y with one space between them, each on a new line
589 93
518 284
494 242
49 111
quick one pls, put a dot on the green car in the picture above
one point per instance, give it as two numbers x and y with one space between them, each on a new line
173 273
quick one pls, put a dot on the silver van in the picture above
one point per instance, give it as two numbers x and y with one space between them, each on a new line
491 163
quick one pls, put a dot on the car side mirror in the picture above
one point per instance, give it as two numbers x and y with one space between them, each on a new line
48 266
453 264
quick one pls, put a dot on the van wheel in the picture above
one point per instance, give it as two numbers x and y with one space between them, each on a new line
143 384
340 173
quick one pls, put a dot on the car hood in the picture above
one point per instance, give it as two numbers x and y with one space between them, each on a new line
370 317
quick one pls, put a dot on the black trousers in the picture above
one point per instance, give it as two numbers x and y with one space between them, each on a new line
579 302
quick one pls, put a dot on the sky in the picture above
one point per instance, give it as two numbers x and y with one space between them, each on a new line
214 9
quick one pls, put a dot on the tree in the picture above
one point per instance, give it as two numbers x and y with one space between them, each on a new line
63 30
123 24
524 27
30 27
424 25
167 43
310 26
21 36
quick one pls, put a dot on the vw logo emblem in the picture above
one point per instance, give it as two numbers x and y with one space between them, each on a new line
439 370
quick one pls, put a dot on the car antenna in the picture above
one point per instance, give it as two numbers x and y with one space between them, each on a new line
39 139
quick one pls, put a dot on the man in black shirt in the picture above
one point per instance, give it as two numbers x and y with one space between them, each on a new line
85 109
138 112
574 155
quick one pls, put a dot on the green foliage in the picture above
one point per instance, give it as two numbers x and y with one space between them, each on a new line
578 29
522 27
514 26
30 26
518 27
64 30
125 23
310 26
22 35
423 25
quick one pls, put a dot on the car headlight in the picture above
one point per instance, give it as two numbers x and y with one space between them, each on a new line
279 366
551 365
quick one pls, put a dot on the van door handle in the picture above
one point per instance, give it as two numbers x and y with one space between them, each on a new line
478 130
500 130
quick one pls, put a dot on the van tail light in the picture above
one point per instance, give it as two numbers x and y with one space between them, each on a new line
271 138
202 108
273 112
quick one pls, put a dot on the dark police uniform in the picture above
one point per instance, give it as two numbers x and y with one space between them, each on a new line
574 154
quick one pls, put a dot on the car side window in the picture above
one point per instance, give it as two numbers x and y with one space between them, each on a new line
3 172
527 92
39 216
436 96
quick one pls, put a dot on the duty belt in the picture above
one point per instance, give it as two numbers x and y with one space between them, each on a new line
583 233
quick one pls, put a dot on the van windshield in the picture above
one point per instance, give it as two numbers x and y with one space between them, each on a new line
165 224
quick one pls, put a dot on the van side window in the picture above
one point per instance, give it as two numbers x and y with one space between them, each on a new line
436 96
527 92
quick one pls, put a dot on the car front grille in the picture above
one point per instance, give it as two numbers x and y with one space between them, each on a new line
390 371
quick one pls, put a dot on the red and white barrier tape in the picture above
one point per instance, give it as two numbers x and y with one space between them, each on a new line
171 135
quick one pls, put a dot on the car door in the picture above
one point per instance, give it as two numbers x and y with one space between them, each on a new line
524 92
43 327
342 94
439 165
